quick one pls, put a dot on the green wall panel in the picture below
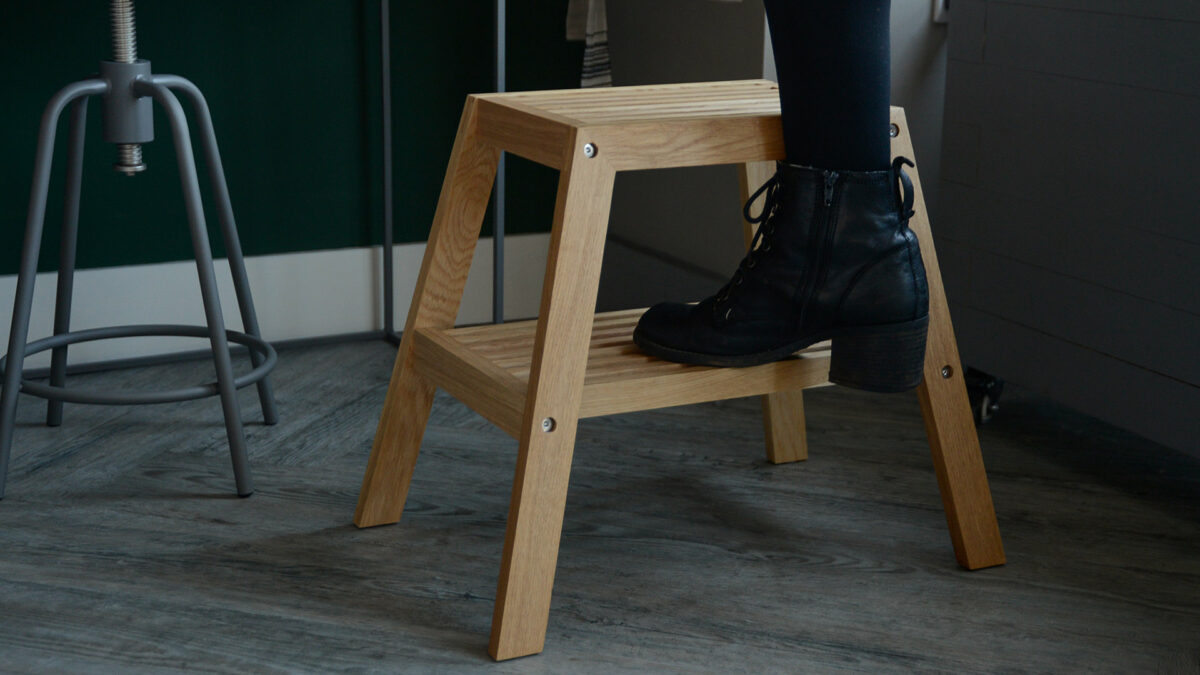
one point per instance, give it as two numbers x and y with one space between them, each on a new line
294 91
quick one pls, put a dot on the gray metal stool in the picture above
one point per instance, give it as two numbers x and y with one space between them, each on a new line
127 86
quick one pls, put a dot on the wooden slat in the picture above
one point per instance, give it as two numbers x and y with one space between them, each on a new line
616 95
619 377
694 384
733 106
695 141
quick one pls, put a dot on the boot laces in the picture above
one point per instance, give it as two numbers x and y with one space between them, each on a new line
761 243
905 194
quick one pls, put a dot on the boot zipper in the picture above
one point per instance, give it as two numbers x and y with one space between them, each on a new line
830 179
822 236
829 229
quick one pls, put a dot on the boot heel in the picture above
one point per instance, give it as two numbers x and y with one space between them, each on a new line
887 358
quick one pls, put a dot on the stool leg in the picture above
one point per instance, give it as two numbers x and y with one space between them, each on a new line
783 412
233 246
783 427
552 407
208 281
460 211
66 255
957 458
23 304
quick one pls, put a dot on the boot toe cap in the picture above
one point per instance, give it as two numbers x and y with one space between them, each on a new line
666 323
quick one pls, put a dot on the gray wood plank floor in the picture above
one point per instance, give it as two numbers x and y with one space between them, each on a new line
122 548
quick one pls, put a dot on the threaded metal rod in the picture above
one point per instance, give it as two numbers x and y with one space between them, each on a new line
124 32
124 35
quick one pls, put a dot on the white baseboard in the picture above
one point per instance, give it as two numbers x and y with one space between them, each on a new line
296 295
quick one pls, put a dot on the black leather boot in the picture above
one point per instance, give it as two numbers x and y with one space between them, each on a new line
833 259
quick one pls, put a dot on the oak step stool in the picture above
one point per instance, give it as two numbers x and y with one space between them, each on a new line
536 379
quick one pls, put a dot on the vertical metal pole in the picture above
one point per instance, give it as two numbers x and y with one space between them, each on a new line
66 254
389 281
498 218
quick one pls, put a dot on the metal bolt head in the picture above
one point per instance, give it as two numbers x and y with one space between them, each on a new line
589 150
947 371
548 424
893 130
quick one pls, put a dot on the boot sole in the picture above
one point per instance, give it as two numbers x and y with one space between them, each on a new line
885 358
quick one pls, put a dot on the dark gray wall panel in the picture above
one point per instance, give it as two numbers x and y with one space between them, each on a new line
1069 205
1144 334
693 214
1095 46
1158 407
1072 140
1179 10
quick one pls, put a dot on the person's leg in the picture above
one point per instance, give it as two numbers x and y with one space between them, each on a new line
833 61
833 258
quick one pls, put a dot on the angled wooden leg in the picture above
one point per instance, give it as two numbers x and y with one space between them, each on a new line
783 412
447 261
948 423
552 406
783 425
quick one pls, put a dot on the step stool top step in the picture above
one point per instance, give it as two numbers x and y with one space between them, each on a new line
622 105
644 127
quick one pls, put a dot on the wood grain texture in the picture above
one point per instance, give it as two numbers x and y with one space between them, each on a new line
649 102
783 427
699 141
619 377
783 412
574 364
447 261
683 550
488 389
957 458
642 127
534 134
547 443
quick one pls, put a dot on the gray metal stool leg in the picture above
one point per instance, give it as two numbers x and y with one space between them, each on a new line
29 257
66 256
208 280
233 247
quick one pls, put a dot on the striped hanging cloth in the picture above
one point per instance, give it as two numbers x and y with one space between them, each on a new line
587 20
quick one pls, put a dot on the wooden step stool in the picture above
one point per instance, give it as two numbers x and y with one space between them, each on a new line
536 379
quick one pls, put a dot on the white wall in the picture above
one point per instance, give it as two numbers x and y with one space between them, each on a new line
297 295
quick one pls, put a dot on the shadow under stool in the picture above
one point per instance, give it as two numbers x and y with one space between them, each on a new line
536 379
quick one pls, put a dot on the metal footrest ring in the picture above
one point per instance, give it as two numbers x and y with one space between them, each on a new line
70 395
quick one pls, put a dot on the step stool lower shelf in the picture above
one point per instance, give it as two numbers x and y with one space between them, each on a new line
487 368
